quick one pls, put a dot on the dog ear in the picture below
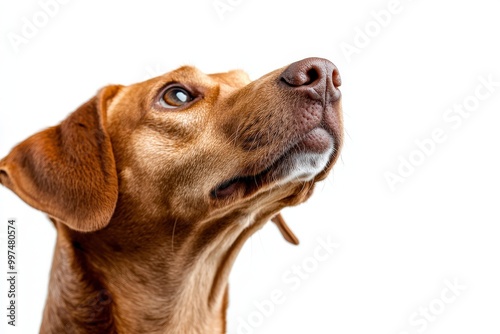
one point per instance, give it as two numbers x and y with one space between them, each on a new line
68 171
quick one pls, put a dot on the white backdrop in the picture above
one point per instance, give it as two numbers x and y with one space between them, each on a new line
410 215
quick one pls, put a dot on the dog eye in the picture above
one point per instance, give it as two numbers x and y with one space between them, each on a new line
175 97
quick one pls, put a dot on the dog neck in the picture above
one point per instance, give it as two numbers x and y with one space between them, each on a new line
127 282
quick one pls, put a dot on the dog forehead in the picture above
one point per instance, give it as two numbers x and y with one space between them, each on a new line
184 73
235 78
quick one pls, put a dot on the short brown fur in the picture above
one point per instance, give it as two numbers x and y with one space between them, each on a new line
143 246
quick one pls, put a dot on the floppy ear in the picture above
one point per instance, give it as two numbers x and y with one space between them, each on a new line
68 171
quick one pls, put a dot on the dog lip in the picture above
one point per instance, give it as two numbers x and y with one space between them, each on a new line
250 182
226 188
317 140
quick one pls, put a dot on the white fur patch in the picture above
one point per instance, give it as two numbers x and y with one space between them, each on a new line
305 166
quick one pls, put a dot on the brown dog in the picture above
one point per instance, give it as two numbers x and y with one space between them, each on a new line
154 188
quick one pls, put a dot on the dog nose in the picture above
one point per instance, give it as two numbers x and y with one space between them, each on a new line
313 75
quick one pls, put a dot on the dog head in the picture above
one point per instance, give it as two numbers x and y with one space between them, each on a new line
185 146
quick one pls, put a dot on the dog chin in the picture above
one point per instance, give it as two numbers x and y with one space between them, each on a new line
305 166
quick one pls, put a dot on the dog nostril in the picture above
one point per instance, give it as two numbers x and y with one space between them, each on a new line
297 77
309 73
312 76
317 78
337 81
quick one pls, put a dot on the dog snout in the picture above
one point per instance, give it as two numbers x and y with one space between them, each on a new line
316 77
